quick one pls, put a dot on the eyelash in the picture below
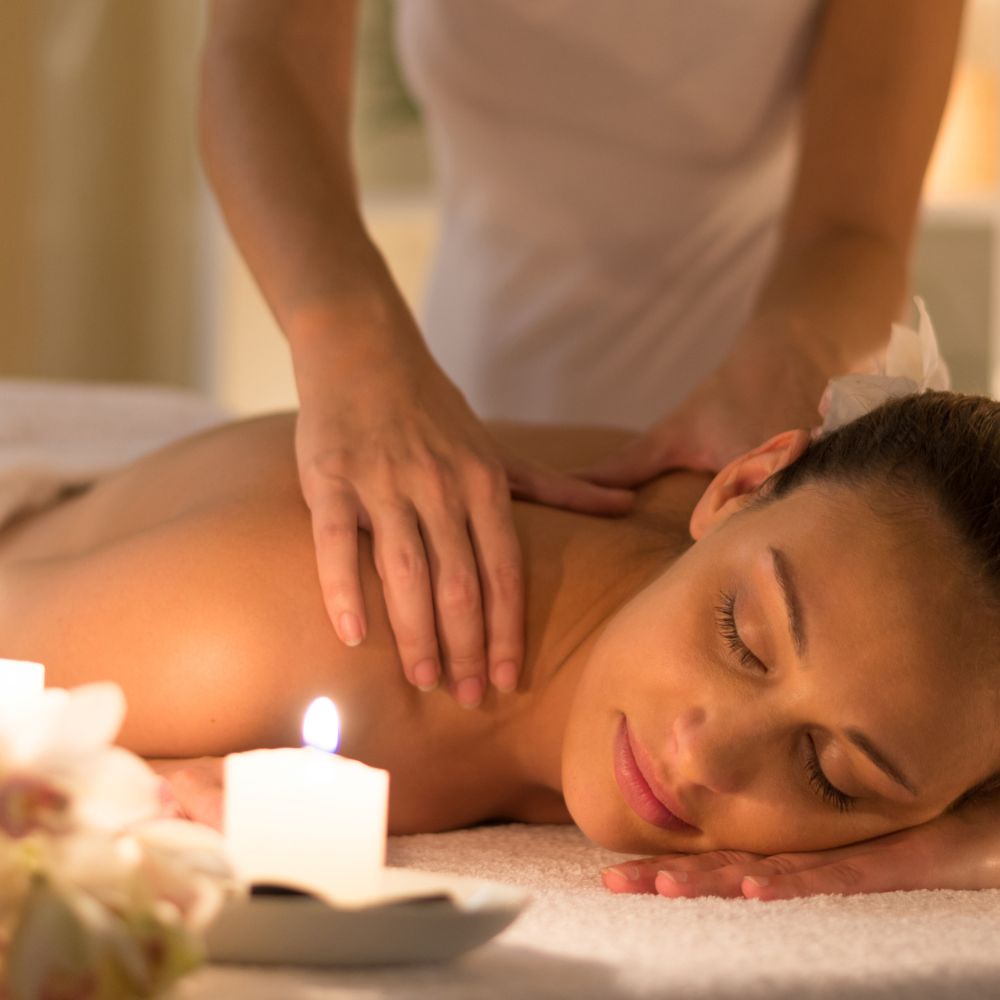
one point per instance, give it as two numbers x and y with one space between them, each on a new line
844 803
725 617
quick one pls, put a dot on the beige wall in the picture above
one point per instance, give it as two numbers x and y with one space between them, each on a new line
99 203
249 367
250 370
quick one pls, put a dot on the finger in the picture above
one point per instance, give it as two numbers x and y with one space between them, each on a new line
557 489
457 599
498 555
702 861
722 873
170 804
644 458
713 873
334 508
680 884
638 875
876 871
629 878
201 800
636 462
707 860
839 877
401 563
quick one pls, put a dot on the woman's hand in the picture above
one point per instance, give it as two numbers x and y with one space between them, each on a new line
956 851
192 788
385 442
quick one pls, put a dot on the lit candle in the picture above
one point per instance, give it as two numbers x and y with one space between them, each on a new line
20 681
306 817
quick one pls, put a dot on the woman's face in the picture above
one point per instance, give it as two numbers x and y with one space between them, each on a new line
750 675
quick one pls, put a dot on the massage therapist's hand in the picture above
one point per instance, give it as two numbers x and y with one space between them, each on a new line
385 442
957 851
745 401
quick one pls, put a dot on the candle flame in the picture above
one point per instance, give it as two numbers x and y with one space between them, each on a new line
321 725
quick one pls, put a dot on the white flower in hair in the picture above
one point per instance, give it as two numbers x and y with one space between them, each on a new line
911 364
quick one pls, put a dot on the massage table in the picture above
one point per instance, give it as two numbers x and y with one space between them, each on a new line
574 939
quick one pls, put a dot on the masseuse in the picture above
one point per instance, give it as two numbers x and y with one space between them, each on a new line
680 218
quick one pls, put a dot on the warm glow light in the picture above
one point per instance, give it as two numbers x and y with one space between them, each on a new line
321 725
20 679
966 160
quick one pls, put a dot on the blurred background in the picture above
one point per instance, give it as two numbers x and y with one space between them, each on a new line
115 265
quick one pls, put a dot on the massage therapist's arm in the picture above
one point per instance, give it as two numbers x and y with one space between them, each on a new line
876 85
384 441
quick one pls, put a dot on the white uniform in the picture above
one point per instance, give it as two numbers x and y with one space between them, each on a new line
611 176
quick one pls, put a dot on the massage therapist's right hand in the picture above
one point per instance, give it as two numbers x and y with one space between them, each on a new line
386 442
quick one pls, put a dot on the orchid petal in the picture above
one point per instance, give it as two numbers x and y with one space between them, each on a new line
92 717
117 790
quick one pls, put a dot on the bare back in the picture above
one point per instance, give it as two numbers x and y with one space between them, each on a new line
189 578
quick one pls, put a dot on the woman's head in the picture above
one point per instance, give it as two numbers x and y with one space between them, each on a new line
841 596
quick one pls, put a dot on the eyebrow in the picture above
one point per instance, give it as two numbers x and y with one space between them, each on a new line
880 760
796 626
793 606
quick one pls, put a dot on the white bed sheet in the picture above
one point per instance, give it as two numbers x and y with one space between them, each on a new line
58 434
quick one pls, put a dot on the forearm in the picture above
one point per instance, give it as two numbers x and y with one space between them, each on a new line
283 177
830 302
876 86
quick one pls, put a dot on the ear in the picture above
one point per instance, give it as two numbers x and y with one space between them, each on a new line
733 487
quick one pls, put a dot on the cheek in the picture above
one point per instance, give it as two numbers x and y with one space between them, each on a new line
631 671
588 782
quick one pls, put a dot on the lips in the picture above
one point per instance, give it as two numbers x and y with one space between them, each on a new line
636 788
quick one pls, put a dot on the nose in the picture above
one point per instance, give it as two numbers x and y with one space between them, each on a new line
712 752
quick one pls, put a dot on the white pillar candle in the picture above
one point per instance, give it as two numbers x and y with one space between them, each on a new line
20 681
306 817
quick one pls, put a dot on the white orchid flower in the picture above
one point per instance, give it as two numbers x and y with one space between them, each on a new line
67 944
99 898
911 363
59 769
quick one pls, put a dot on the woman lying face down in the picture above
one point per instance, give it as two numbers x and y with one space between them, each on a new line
819 667
816 669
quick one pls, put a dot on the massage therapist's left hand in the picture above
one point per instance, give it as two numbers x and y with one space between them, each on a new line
750 398
957 851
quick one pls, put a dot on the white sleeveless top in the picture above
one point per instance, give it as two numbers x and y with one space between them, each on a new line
611 177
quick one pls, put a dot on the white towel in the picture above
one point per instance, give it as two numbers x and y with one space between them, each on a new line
59 434
578 940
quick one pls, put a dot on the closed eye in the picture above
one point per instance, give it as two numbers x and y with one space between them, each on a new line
841 801
725 617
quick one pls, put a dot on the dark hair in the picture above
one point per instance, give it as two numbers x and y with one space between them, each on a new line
945 446
936 448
